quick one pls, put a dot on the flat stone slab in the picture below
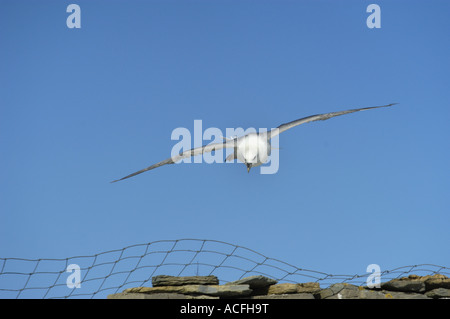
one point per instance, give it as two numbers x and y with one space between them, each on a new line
404 285
415 283
125 295
255 282
436 281
438 293
288 288
210 290
403 295
348 291
163 280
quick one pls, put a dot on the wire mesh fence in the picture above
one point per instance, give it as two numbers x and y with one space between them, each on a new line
132 266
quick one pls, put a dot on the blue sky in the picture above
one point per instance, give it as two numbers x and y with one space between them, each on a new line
82 107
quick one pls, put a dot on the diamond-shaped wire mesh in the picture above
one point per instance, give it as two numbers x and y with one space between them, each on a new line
133 266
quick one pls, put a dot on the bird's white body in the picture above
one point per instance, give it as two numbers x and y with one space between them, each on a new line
253 149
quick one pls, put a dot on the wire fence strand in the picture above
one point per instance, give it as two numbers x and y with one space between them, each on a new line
134 266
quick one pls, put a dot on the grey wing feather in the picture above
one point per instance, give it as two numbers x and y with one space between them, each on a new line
192 152
318 117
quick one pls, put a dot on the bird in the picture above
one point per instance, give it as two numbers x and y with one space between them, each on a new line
252 149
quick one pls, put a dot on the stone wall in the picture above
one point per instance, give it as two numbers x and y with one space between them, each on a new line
260 287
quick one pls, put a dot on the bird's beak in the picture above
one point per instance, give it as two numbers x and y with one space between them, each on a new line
248 168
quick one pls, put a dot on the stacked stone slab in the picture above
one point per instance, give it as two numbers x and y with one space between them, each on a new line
261 287
411 287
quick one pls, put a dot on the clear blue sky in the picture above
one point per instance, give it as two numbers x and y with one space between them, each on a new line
82 107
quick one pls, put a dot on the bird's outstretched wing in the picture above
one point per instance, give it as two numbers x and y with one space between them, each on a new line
318 117
192 152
